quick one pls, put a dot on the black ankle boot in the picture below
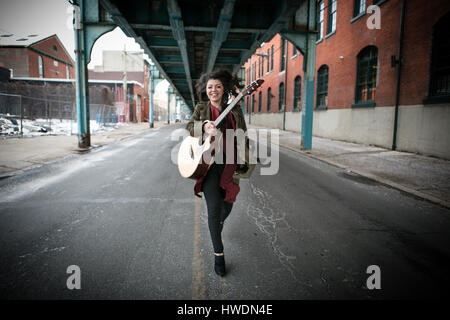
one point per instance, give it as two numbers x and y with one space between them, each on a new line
219 265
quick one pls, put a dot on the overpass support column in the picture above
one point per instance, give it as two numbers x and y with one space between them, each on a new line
87 28
303 34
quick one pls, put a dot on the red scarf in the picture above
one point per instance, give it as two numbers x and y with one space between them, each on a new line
226 179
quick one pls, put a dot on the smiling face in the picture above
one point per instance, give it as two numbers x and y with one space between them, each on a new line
214 91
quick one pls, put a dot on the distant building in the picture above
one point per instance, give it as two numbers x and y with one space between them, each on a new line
36 57
357 68
117 64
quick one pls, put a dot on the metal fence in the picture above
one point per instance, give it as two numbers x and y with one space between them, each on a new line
21 114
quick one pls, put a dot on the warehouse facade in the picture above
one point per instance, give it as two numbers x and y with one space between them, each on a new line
382 76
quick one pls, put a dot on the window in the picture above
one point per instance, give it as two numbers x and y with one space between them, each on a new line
55 49
259 67
281 96
321 9
253 103
294 50
262 66
268 60
67 72
366 78
269 98
359 8
41 67
259 101
331 26
271 59
283 54
322 87
248 106
440 59
297 92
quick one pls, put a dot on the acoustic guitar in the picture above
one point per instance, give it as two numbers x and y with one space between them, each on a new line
195 158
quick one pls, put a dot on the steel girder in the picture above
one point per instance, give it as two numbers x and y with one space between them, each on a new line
185 38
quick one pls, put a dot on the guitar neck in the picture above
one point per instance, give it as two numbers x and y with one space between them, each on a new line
228 109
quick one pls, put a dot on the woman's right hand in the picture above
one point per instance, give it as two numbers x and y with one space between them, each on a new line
210 128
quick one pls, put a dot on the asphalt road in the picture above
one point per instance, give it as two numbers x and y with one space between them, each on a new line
132 225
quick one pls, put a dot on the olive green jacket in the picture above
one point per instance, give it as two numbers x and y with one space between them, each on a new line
202 113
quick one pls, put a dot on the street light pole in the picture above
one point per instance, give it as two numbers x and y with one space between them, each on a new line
125 91
168 104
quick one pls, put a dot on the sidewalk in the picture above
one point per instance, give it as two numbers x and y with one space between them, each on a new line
20 153
423 176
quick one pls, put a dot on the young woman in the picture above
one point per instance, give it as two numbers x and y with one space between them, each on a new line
220 185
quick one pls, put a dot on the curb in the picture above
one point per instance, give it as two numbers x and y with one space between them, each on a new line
386 182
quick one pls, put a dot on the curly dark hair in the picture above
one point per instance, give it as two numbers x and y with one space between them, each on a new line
229 82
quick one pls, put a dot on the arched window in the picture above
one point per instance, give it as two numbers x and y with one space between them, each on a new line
259 101
41 67
322 87
269 98
440 62
281 96
297 92
366 78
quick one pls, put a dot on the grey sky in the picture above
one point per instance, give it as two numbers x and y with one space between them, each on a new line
47 17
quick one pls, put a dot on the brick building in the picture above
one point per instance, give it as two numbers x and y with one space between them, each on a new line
136 108
357 69
36 57
279 63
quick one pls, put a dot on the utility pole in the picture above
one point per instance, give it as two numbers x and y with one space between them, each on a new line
169 92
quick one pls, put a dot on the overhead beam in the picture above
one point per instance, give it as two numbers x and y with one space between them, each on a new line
221 33
117 18
144 26
162 43
227 60
170 59
176 22
236 45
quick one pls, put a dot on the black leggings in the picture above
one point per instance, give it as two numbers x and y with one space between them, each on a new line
218 209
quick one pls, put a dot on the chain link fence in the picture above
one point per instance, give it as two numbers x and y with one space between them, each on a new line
27 109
